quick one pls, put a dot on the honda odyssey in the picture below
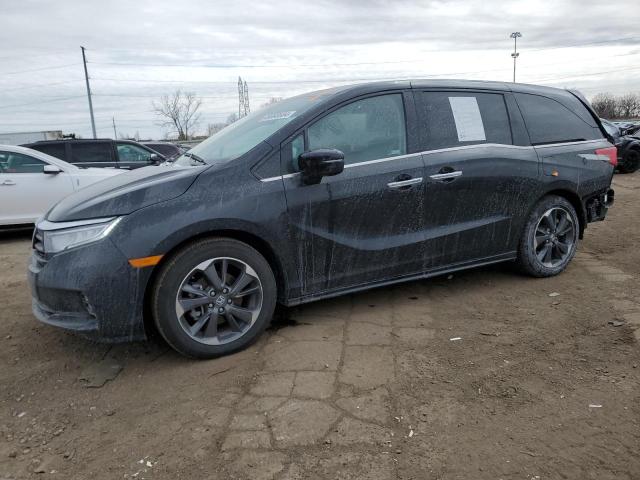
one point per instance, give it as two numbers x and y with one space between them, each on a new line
320 195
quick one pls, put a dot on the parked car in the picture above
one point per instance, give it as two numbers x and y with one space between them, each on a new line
100 153
628 148
31 182
168 150
321 195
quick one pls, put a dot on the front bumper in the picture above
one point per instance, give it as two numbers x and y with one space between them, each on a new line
90 290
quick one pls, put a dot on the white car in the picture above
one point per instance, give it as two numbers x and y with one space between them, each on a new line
31 182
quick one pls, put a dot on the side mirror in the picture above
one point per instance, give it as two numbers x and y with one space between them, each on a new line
155 159
323 162
51 170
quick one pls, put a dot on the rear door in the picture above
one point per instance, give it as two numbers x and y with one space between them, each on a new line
92 154
481 175
364 224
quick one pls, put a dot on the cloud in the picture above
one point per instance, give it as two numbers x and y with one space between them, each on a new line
139 51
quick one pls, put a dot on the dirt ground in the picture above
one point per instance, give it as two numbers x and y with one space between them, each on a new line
487 374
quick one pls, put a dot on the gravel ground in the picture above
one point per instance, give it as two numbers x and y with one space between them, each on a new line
485 374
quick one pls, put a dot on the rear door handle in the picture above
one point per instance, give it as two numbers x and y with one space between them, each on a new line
404 183
445 177
8 182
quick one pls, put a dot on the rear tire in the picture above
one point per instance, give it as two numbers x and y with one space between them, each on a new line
213 297
630 161
550 238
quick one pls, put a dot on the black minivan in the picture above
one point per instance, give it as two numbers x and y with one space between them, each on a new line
319 195
100 152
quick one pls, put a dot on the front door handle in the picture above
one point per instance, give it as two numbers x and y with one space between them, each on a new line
8 182
446 175
404 184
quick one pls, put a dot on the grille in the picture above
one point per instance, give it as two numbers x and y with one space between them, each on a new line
38 242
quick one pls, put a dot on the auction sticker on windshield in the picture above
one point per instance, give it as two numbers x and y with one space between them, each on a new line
277 116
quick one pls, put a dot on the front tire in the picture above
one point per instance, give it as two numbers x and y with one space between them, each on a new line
550 238
213 297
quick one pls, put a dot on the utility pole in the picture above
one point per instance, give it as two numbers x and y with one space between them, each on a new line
115 135
240 98
86 78
515 54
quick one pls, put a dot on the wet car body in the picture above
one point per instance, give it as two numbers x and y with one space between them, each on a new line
368 226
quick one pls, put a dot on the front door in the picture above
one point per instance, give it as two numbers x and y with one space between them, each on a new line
26 192
364 224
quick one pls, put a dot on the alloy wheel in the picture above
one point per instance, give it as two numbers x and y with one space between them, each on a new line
555 237
219 301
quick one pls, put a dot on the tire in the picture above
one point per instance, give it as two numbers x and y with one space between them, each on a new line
543 253
630 161
200 322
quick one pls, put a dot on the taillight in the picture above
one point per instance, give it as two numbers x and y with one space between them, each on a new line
611 152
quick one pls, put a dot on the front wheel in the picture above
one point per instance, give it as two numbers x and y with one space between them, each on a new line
550 238
214 297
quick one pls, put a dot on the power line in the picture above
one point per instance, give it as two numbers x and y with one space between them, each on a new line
42 68
40 85
42 101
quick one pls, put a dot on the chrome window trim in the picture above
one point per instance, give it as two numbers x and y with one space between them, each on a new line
444 150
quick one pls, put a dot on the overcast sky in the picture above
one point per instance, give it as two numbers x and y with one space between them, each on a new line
140 50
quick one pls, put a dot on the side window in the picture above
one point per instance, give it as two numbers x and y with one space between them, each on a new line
11 162
91 152
132 153
549 121
57 150
364 130
452 119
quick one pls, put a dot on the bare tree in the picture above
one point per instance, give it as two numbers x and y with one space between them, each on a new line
628 106
605 105
179 112
232 118
213 128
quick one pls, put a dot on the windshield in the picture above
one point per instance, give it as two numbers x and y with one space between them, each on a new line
241 136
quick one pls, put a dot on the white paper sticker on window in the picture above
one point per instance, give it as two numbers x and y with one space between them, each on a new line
277 116
468 120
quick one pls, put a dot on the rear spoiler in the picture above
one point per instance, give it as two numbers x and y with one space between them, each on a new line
593 113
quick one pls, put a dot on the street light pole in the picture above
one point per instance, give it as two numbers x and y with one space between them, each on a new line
515 54
86 79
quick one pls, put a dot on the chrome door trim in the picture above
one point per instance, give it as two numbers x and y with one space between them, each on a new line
444 150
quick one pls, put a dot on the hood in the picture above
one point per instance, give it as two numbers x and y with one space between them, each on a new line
100 172
124 193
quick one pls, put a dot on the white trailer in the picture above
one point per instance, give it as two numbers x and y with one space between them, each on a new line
19 138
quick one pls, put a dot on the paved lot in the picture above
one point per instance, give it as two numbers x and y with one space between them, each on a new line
487 374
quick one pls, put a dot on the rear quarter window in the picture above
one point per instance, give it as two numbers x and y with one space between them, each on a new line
549 121
454 118
91 153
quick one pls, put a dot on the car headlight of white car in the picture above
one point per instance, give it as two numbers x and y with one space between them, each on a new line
59 236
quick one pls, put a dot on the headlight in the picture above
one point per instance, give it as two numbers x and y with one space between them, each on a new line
60 238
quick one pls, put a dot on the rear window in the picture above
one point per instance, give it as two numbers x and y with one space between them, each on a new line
57 150
452 119
91 152
549 121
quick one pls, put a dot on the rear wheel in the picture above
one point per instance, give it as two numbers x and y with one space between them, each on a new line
550 238
213 298
630 161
